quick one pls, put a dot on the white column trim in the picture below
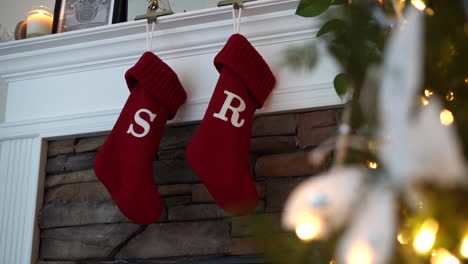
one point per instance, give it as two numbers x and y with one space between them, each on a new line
20 168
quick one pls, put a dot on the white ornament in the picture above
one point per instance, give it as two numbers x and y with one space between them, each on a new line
401 72
371 236
433 152
414 146
328 197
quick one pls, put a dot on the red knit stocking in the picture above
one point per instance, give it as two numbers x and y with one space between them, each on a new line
219 151
124 164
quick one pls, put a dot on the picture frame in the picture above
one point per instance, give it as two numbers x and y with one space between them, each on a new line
70 15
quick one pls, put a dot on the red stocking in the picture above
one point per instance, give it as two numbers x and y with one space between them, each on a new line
219 151
124 164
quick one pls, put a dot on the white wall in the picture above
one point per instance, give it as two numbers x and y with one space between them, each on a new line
12 12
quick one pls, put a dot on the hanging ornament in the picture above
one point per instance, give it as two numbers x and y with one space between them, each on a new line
370 238
322 203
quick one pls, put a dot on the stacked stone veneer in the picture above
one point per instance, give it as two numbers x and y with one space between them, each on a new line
80 223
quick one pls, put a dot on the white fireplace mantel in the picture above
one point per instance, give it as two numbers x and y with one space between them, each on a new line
72 83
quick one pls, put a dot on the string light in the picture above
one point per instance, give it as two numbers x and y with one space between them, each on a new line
428 93
424 101
360 254
443 256
430 11
425 238
446 117
464 247
308 227
403 238
372 165
419 4
449 96
466 79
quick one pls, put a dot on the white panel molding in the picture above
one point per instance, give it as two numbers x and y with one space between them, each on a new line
19 174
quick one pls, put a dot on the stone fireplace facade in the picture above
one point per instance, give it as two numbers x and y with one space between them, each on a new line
79 223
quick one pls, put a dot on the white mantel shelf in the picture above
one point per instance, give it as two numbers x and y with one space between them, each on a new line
72 84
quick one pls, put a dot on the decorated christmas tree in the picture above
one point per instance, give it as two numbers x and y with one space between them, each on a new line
397 189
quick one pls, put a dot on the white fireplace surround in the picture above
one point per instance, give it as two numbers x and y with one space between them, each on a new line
72 84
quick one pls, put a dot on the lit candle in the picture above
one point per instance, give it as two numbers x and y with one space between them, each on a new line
39 22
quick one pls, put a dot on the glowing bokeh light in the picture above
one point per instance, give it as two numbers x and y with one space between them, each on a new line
446 117
426 236
450 96
308 227
402 238
372 165
443 256
419 4
424 101
428 93
464 247
360 254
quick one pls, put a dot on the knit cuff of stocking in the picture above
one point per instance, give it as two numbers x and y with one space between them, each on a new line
241 57
159 80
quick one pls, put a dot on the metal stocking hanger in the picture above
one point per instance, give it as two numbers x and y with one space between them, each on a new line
236 5
154 11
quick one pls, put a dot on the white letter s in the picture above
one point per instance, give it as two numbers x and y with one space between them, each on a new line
143 123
